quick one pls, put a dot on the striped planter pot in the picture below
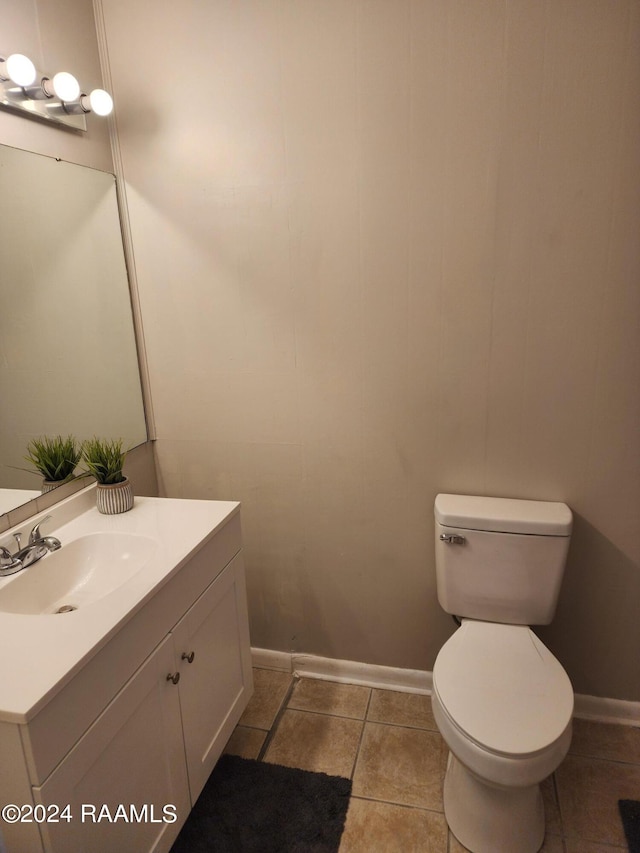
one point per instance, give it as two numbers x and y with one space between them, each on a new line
115 498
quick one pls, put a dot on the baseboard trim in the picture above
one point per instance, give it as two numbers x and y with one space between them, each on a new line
369 675
602 710
267 659
595 708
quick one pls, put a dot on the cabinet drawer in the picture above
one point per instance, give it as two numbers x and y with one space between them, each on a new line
207 563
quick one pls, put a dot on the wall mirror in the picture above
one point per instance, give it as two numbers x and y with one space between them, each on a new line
68 362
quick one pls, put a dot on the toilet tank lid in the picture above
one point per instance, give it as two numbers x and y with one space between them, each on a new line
504 515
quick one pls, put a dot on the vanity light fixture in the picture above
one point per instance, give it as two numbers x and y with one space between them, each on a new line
63 86
17 69
98 101
58 98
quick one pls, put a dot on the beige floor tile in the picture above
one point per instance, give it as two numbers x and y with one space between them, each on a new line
329 697
270 690
318 742
578 846
553 841
455 846
550 845
399 770
401 765
245 742
374 827
603 740
401 709
588 791
552 819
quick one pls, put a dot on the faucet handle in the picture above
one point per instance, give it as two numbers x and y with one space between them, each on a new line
8 562
34 536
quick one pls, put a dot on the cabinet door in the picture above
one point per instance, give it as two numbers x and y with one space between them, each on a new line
132 757
217 684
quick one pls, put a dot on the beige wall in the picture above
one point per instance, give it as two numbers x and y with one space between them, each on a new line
387 248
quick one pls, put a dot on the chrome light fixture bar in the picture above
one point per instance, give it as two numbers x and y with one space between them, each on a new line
59 98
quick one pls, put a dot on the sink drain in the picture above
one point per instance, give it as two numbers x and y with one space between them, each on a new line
66 608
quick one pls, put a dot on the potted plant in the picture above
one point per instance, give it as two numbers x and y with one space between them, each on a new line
105 460
55 458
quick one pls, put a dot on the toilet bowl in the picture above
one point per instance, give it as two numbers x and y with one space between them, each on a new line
503 705
501 700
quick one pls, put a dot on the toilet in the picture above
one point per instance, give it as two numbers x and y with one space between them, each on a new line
501 700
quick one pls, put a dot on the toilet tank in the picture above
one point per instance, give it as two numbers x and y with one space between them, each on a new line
500 560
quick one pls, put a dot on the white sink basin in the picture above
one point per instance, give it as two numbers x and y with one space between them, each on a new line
82 572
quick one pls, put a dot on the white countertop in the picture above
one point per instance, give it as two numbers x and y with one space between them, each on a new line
41 653
12 498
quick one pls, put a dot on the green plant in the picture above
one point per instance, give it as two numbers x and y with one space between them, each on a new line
105 460
55 458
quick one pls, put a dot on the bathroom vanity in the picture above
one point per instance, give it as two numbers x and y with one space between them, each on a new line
113 714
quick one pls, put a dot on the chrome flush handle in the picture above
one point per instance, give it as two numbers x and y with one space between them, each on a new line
452 539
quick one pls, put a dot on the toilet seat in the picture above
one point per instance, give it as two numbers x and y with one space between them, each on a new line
503 690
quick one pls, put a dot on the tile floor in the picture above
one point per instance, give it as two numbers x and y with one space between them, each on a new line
388 744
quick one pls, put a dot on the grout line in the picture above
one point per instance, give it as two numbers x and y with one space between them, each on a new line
331 714
368 708
588 757
357 755
276 721
408 806
556 793
364 723
409 726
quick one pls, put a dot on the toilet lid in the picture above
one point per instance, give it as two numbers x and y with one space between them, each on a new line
503 688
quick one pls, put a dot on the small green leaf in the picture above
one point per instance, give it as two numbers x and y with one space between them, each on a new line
54 458
104 459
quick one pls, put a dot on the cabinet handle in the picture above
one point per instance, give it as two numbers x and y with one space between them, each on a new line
173 677
188 657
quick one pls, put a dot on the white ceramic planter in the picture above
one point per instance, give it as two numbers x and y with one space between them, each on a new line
114 498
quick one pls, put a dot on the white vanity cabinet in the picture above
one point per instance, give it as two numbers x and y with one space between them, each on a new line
178 676
213 655
132 754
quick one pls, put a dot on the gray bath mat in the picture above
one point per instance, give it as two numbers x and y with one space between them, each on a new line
630 814
250 806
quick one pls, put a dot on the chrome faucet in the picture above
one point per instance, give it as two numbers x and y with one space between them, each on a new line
37 548
51 542
9 564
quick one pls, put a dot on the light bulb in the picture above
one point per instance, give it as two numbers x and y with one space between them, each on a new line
101 102
65 86
19 69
